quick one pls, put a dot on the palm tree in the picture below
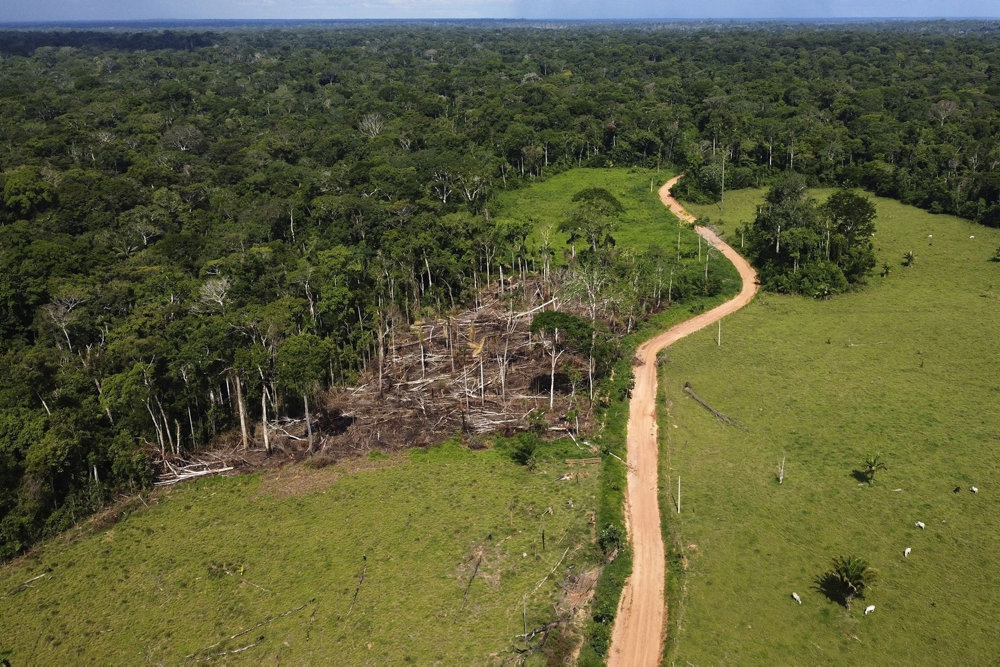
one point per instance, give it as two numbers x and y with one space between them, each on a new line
873 463
849 577
908 258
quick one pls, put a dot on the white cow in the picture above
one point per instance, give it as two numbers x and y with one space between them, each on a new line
906 552
795 596
869 609
920 525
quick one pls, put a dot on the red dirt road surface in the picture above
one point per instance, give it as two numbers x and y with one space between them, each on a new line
638 635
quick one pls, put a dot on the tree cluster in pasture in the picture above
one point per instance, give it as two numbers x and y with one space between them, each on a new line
805 247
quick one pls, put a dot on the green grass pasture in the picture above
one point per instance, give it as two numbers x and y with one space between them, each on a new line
740 207
179 580
908 366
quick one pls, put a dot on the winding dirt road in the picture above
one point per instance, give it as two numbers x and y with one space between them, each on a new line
638 635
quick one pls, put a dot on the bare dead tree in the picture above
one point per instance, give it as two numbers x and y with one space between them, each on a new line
214 291
61 312
942 110
371 124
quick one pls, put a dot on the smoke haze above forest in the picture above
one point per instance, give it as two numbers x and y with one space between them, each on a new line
85 10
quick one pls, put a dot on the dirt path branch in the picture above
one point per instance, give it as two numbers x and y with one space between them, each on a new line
638 635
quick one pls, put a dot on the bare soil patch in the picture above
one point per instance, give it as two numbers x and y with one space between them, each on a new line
301 479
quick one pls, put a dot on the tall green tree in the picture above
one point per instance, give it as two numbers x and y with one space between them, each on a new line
25 192
301 364
593 219
849 223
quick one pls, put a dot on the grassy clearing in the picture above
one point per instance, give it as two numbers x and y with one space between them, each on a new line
548 202
908 367
740 207
646 224
216 557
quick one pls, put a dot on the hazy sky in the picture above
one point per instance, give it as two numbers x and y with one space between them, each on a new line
76 10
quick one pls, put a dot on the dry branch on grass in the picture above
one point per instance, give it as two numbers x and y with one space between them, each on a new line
545 578
192 656
25 586
475 571
357 589
704 403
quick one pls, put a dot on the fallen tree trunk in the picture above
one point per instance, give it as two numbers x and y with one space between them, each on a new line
181 476
26 585
718 415
469 585
192 656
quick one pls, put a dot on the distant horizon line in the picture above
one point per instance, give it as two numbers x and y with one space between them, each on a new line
755 19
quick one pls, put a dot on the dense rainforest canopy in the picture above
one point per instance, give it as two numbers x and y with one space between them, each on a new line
188 216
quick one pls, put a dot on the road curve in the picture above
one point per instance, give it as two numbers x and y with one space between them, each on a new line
640 626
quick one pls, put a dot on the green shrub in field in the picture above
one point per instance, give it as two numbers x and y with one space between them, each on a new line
873 463
612 537
523 451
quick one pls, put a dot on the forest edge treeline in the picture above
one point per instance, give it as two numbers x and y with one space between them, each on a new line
248 211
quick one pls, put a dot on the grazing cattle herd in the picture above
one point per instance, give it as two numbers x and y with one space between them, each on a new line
906 552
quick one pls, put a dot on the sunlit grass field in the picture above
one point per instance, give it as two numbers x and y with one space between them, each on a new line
550 201
302 566
908 366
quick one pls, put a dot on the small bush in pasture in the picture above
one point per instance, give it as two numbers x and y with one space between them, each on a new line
612 537
873 463
524 448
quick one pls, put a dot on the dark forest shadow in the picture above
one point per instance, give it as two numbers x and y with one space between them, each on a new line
334 422
540 384
833 588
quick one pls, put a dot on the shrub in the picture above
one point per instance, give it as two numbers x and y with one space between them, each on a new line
847 578
524 450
